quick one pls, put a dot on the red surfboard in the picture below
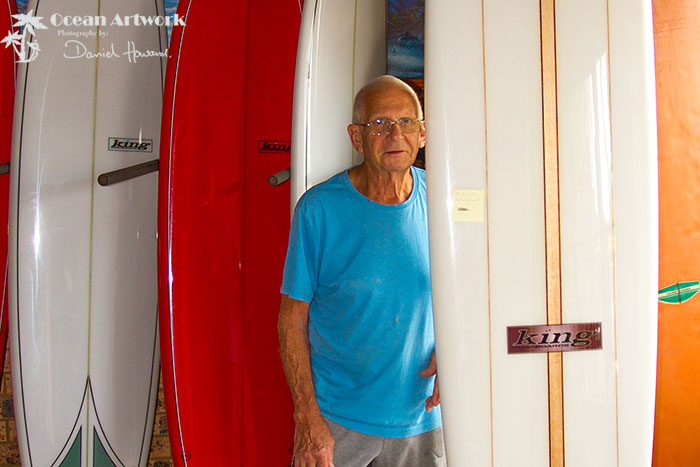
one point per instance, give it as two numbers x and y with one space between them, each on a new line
223 231
7 100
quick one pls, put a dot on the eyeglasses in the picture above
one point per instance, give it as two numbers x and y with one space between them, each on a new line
382 126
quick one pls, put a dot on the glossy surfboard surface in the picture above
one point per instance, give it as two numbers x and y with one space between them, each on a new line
82 275
223 232
342 46
677 41
542 191
7 100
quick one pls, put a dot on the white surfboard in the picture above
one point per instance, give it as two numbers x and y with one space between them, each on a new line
342 46
542 189
83 256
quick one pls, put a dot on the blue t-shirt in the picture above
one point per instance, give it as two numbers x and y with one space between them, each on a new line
364 269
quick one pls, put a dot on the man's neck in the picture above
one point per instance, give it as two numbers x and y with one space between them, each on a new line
381 186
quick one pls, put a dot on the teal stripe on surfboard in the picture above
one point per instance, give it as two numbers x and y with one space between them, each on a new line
73 458
679 292
101 458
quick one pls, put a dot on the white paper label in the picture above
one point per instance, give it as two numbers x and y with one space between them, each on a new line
467 205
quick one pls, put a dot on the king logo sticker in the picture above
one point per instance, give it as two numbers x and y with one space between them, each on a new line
274 146
554 338
130 144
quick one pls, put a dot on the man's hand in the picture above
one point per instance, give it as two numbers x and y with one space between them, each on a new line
313 443
434 400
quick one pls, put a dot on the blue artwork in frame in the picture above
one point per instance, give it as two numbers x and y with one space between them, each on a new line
404 38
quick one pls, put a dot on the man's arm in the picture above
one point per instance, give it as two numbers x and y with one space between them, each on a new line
313 444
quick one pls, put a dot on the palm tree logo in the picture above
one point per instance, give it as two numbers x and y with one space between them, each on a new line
25 46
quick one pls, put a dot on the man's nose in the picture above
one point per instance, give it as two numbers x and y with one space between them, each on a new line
394 129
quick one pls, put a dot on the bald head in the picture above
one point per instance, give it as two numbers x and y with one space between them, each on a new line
374 89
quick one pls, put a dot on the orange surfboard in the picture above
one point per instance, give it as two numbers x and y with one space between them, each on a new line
677 43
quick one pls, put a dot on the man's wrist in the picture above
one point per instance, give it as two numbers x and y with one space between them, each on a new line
307 415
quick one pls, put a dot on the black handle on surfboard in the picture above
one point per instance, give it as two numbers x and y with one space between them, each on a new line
127 173
5 168
279 178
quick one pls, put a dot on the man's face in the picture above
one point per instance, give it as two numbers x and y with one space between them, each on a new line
396 151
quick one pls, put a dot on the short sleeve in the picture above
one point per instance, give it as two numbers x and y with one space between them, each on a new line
300 277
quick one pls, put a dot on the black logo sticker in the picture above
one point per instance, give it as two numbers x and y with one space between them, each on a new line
274 146
130 144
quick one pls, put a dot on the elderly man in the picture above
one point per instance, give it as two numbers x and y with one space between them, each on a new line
355 323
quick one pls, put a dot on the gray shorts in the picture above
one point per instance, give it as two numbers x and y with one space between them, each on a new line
353 449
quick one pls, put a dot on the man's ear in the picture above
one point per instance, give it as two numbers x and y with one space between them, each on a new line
355 137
